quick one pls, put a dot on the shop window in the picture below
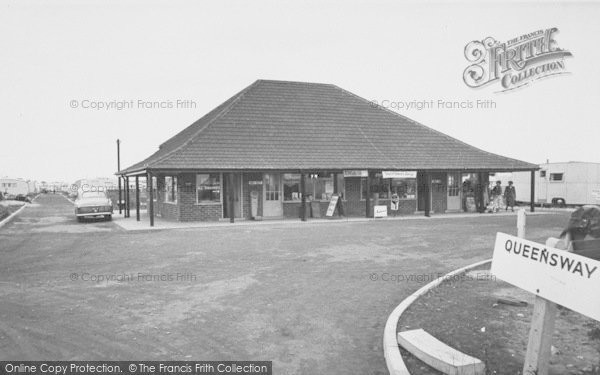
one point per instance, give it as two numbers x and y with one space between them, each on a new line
379 185
171 189
406 188
208 187
317 187
321 188
291 187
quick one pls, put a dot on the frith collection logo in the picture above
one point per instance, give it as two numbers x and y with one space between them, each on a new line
515 63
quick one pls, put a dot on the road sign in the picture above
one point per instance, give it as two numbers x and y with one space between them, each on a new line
562 277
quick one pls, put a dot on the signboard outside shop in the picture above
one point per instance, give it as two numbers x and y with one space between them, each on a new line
380 211
399 174
332 205
356 173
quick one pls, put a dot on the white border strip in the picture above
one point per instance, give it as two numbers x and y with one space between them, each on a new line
393 358
9 218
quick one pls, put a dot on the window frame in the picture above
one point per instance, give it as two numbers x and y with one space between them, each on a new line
389 188
552 179
311 188
171 194
210 202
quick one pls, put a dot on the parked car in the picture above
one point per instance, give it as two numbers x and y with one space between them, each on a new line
23 198
93 204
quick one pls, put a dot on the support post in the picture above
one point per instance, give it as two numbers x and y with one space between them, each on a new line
137 198
128 206
480 194
120 203
539 345
532 188
150 203
368 192
538 354
231 201
336 190
303 197
125 185
119 170
335 183
427 191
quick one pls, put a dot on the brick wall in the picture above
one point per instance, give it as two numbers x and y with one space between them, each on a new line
291 210
189 210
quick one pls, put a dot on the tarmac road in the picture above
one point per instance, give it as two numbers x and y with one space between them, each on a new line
311 298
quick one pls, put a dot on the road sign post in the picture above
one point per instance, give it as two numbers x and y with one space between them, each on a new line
555 276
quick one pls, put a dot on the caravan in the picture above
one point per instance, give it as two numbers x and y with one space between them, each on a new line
561 184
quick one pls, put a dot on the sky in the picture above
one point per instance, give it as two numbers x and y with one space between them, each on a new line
156 67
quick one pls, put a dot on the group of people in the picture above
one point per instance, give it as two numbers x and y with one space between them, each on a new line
478 197
509 196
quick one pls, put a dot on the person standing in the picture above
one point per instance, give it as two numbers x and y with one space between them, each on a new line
510 195
496 196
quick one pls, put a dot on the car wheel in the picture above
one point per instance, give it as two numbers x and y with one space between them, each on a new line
108 217
561 202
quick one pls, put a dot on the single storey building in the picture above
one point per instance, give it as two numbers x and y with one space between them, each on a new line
281 149
16 186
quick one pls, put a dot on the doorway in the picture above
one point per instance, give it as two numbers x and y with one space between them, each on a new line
423 191
272 197
236 182
454 188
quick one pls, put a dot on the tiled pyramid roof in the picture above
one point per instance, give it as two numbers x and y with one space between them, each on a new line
280 125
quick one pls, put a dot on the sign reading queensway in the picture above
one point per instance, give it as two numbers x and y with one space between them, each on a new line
560 276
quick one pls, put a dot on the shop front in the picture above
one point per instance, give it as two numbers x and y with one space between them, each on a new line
280 149
219 195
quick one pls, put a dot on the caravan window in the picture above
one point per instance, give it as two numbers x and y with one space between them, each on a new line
556 176
543 174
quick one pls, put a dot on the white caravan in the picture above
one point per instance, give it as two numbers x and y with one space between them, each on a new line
561 184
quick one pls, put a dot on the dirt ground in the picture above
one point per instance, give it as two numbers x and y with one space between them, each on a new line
8 207
465 314
311 298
